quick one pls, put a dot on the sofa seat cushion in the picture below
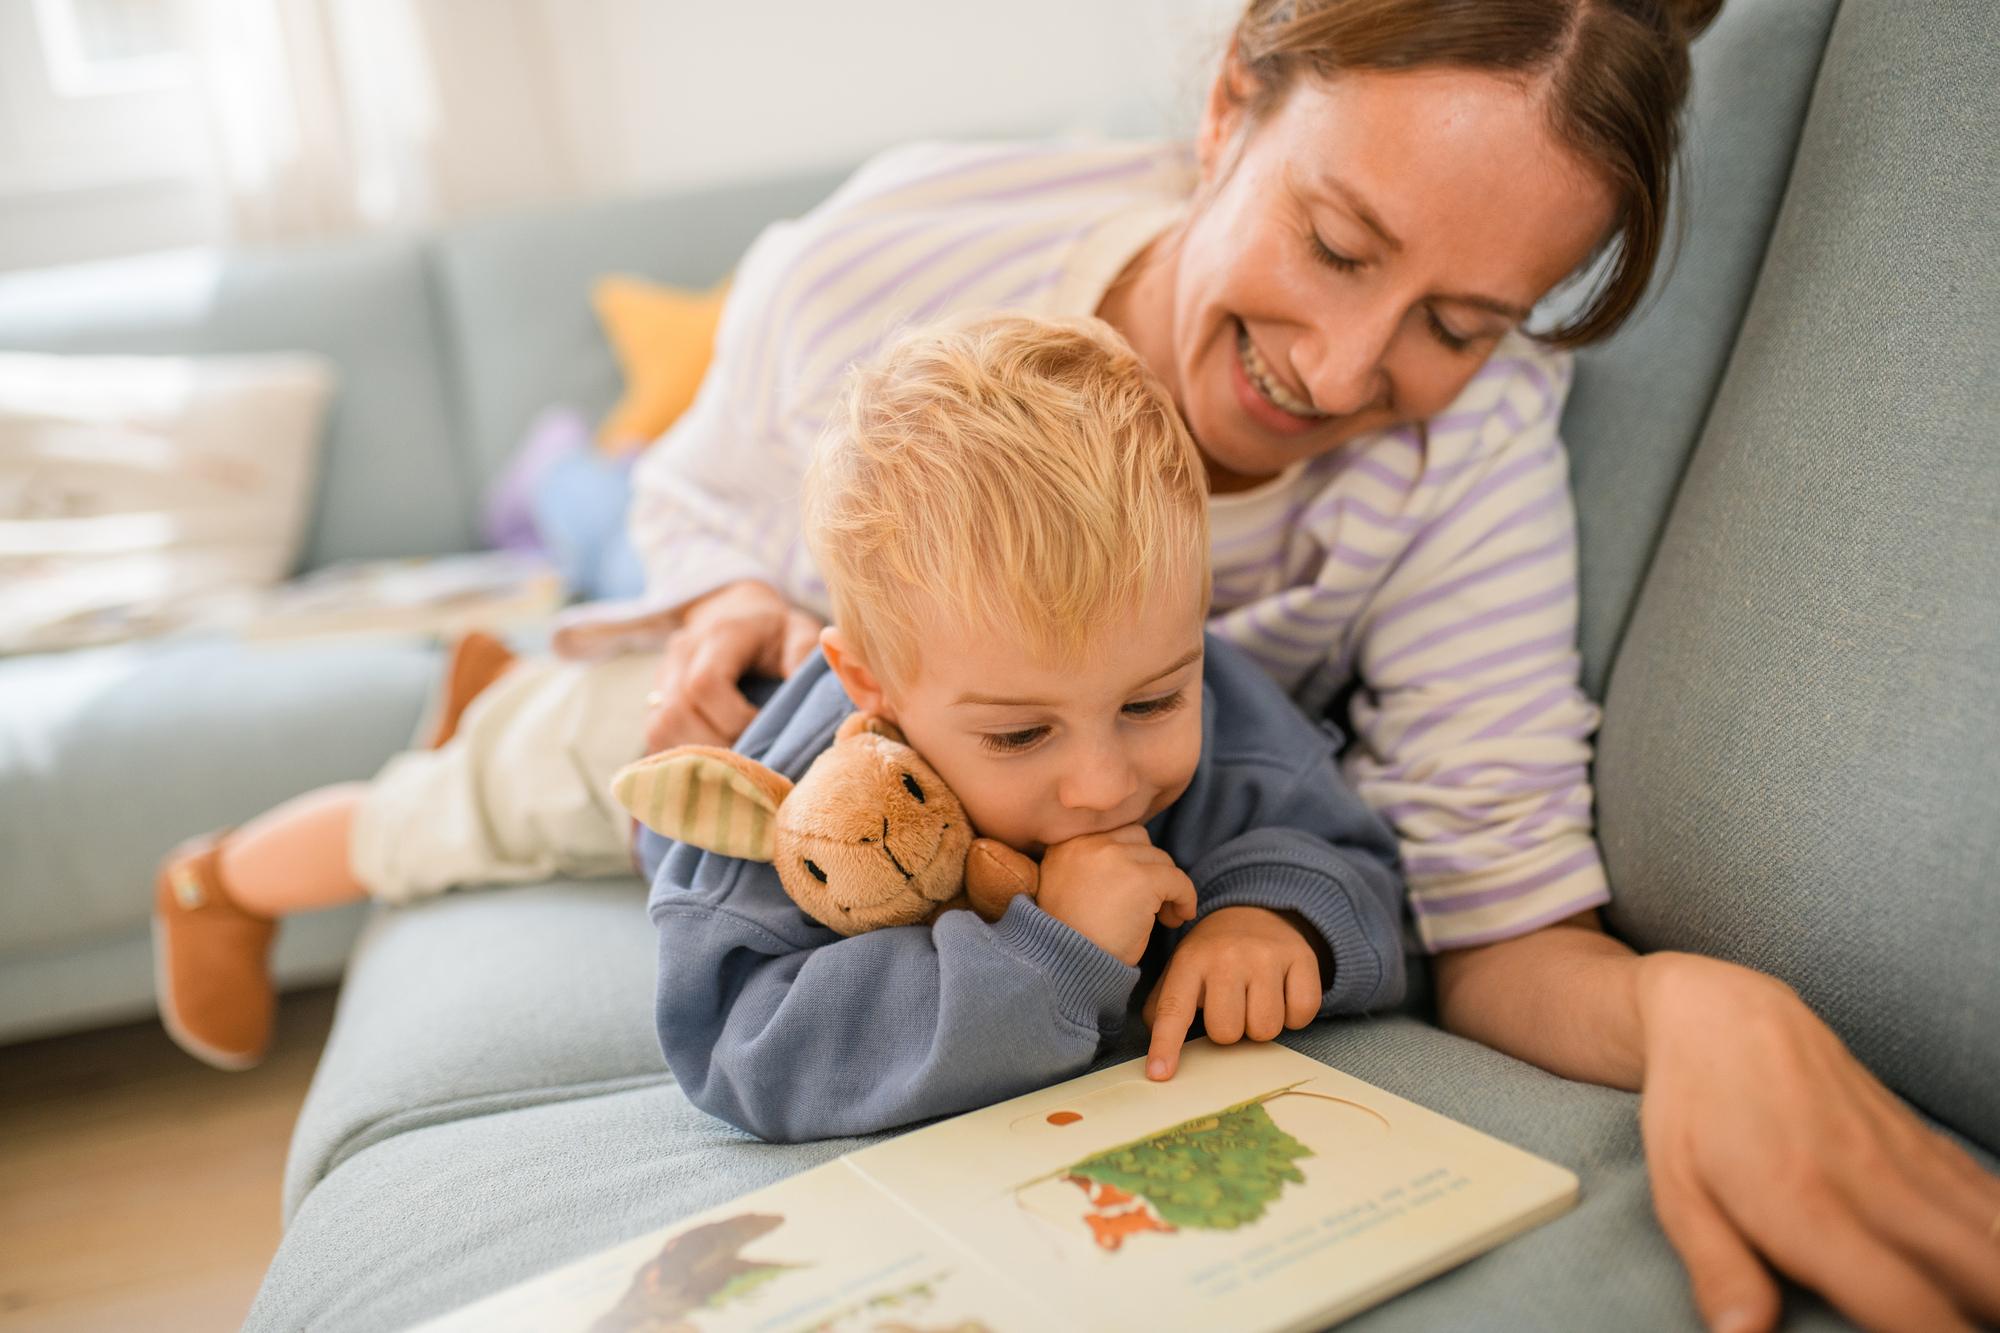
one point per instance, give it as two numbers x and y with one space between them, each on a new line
438 1216
478 1002
109 757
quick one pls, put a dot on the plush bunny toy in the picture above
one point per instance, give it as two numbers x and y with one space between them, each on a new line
869 837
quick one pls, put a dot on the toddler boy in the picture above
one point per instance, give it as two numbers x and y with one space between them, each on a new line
1012 522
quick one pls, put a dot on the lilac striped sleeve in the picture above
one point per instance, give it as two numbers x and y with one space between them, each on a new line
1473 733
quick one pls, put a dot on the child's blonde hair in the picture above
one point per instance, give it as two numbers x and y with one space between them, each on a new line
1029 473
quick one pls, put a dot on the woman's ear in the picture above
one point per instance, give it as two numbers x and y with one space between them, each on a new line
1224 114
863 686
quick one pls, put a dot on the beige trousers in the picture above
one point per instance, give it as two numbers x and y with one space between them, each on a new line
521 792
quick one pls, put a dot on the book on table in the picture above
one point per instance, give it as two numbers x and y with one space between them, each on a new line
440 595
1258 1190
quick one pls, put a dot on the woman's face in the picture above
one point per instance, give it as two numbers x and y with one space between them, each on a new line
1353 259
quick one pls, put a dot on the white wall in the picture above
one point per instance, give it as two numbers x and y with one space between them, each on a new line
92 175
555 97
669 91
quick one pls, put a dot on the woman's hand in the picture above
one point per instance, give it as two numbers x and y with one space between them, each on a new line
737 628
1768 1142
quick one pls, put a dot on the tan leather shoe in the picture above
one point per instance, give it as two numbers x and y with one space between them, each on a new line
211 961
476 661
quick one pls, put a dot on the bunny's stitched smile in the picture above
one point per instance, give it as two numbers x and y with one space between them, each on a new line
891 855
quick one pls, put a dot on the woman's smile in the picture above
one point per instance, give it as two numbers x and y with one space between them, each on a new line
1267 401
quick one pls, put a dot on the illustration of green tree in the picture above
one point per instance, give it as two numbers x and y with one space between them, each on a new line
1215 1173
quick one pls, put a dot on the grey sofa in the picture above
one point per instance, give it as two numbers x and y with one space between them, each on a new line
1790 503
446 348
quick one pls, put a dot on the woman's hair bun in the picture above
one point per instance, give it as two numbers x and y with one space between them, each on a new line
1692 17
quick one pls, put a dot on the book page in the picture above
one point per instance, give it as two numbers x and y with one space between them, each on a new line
822 1252
1259 1189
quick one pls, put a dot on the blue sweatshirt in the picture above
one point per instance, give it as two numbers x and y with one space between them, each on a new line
776 1024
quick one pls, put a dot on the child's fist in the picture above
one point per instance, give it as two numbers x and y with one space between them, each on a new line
1250 971
1111 887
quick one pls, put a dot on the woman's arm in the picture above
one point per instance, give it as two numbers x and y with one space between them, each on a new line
1767 1142
1472 729
1540 975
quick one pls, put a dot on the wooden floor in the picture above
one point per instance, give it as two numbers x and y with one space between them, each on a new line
139 1189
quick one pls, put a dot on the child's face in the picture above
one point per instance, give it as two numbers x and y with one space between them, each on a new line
1040 754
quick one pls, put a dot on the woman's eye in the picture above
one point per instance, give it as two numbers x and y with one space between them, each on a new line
1013 740
1332 258
815 872
1457 342
910 785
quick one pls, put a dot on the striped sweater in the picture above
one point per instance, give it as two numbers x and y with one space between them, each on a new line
1433 566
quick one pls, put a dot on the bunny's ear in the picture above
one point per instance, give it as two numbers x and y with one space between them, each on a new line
713 799
856 723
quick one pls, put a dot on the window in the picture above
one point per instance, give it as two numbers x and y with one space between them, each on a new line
103 134
99 47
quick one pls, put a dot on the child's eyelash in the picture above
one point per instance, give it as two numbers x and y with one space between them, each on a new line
1013 740
1155 707
1008 742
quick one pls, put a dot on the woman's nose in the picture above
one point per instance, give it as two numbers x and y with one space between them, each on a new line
1343 365
1101 780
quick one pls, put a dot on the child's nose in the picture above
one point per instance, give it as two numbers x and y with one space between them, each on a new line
1101 780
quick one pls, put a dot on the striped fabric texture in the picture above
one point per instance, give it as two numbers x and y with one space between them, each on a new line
1434 566
702 797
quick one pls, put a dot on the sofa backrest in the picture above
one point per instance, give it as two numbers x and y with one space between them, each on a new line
1639 400
514 294
1800 762
448 343
390 481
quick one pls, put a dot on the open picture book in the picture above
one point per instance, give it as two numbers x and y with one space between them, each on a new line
1258 1189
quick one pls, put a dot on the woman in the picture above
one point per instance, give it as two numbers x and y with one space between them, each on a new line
1333 289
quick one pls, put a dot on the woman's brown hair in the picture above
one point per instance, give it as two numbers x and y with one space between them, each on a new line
1615 74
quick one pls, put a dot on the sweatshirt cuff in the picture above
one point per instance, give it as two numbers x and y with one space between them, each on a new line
1091 988
1363 978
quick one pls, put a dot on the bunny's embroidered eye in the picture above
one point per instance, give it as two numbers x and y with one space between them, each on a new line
815 872
910 786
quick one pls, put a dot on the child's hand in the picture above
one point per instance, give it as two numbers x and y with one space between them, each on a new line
1251 971
1111 887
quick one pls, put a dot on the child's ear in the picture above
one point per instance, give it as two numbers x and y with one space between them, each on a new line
860 681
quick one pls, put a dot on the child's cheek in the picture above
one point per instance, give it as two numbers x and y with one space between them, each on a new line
995 802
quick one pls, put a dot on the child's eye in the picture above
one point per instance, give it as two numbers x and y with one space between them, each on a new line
1009 741
1156 707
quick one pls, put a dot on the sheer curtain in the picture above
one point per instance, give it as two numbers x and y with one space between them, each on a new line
328 116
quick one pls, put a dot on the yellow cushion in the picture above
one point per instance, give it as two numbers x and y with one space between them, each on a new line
663 338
